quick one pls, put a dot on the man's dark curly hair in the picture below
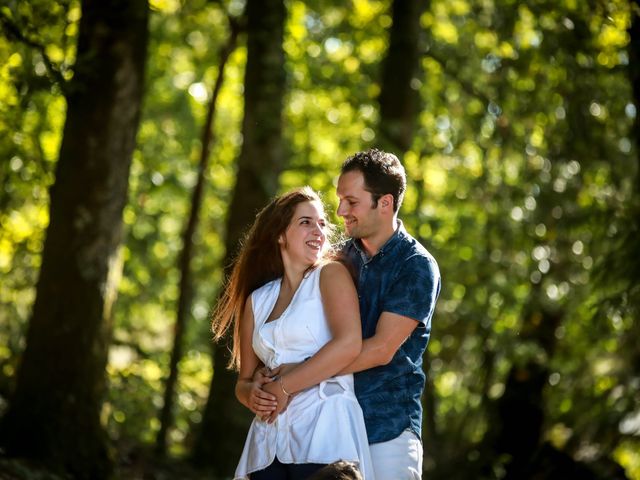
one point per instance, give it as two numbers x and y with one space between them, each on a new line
383 174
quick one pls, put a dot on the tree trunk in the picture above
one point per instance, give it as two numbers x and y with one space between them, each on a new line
225 421
630 250
634 75
186 287
430 399
399 95
54 412
520 414
399 108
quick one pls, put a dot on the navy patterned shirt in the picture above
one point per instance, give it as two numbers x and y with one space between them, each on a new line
402 278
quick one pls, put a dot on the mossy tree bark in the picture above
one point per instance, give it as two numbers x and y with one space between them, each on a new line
54 414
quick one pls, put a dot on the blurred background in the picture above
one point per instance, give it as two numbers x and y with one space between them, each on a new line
139 139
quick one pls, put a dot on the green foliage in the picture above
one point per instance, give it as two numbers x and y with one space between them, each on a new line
32 113
181 71
332 56
521 178
521 153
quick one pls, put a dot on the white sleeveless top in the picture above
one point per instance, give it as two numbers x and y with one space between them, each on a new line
322 424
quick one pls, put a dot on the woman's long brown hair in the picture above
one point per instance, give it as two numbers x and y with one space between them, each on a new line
259 262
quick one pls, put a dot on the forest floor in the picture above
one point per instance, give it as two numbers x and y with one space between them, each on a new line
140 467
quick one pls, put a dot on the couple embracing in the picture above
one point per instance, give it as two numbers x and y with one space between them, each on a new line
328 340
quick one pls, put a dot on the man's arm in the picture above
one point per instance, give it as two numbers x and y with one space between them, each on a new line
391 332
413 296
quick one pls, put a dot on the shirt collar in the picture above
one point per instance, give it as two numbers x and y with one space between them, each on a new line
388 246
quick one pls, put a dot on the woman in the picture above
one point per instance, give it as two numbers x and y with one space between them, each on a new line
289 304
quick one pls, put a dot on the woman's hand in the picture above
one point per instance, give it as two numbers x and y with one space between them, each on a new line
282 398
255 397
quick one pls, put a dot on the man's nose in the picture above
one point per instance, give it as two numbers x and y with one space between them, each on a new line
341 209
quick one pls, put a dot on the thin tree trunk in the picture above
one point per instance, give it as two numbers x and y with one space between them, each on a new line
430 399
632 243
520 413
225 421
186 286
399 108
54 412
399 95
634 76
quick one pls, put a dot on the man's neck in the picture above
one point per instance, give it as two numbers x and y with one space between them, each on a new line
374 243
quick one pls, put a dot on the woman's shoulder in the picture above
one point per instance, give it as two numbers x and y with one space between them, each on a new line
333 269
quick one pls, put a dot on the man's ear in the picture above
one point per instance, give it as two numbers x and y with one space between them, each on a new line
386 201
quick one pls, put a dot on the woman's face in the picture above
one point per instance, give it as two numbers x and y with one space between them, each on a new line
305 237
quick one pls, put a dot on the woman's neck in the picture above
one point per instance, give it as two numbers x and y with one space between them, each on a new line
291 281
293 274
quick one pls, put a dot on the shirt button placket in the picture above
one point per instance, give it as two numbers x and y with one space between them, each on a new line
277 335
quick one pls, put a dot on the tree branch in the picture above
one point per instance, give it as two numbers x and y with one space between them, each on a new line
13 32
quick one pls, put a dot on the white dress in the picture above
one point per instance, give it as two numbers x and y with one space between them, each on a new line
322 424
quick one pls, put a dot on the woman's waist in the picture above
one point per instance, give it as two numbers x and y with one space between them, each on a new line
334 396
340 385
290 356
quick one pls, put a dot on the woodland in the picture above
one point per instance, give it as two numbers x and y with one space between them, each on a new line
138 139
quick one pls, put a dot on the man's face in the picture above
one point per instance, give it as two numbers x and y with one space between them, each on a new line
361 220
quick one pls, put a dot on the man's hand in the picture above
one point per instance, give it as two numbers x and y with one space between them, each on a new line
264 374
284 368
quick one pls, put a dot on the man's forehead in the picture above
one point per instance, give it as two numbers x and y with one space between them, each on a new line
352 195
351 181
350 190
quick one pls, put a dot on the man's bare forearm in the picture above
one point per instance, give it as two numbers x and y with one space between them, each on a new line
373 354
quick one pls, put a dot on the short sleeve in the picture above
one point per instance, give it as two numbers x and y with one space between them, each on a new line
414 291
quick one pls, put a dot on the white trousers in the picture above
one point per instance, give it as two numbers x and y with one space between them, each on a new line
398 459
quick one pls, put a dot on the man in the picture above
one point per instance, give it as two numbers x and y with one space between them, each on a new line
398 282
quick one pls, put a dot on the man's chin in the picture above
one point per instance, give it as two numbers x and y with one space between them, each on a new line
353 233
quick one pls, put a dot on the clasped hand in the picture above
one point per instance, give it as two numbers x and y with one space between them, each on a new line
267 395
